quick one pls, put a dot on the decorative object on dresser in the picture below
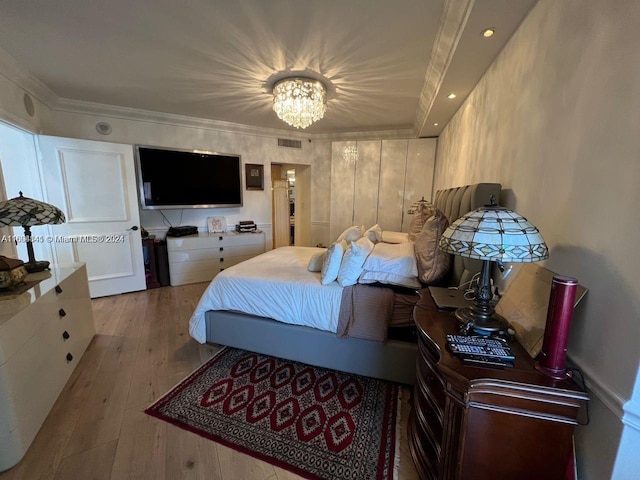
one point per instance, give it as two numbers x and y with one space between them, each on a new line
27 212
314 422
245 226
199 258
12 272
43 334
216 224
492 234
473 422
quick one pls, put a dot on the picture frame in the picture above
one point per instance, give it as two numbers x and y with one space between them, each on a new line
254 176
216 224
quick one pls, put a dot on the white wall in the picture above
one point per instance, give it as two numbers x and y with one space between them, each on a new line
253 147
556 120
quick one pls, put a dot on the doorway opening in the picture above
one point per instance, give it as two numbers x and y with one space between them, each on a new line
291 218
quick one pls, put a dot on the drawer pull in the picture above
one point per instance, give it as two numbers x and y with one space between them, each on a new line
221 269
65 335
220 238
58 289
62 313
221 260
222 249
69 357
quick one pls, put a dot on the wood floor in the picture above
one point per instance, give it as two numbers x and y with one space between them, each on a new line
97 428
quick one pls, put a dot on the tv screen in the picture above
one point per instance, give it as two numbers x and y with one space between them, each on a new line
188 179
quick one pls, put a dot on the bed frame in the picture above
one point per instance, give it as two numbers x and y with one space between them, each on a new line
392 360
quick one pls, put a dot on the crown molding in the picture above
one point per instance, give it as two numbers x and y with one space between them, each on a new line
16 74
455 14
23 79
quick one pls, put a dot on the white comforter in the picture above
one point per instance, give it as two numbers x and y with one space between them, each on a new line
275 284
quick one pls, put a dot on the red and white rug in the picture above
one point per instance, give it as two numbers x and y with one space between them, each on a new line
317 423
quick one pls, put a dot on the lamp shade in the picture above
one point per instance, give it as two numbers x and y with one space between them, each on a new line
494 233
27 212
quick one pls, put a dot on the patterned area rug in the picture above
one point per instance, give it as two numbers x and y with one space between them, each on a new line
317 423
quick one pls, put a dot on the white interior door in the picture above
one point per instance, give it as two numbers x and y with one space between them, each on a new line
94 185
281 226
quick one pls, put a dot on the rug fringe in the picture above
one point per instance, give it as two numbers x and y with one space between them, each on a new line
396 459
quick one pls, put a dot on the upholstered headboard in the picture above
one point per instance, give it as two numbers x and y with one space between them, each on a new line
455 202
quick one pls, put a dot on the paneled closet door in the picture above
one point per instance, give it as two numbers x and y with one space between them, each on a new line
421 159
342 189
392 182
94 184
367 184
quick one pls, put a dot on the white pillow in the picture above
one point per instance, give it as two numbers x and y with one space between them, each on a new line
331 265
316 261
395 258
389 278
351 234
394 237
352 261
374 234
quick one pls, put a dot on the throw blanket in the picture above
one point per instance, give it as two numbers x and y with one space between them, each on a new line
365 312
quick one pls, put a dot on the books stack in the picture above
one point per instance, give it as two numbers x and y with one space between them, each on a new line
246 226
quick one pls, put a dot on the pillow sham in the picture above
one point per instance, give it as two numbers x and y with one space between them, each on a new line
389 279
351 234
331 264
395 258
374 234
418 221
352 261
394 237
316 261
433 263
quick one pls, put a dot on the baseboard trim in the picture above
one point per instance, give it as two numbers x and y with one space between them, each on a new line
605 394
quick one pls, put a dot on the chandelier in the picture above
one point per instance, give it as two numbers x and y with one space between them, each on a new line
299 101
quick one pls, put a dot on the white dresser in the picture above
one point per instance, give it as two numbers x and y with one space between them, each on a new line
43 333
199 258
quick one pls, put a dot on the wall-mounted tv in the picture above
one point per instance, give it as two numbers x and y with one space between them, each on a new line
172 178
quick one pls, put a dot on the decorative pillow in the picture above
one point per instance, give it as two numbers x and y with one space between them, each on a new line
394 237
331 264
351 234
352 261
316 262
374 234
389 279
395 258
418 221
433 263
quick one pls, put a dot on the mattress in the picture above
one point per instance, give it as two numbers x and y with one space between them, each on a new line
276 285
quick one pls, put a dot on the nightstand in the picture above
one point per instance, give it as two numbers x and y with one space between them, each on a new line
486 423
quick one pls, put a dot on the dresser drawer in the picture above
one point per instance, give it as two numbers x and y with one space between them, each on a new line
32 377
214 253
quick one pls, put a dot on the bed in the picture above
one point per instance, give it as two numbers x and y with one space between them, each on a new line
240 312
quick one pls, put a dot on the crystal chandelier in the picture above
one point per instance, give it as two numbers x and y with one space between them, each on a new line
299 101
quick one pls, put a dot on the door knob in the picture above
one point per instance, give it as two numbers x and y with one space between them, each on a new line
134 228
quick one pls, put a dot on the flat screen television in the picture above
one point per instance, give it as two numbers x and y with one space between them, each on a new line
172 178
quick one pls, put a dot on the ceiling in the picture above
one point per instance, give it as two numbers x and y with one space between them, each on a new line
388 64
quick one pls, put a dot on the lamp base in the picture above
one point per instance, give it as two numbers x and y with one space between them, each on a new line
495 324
559 374
37 266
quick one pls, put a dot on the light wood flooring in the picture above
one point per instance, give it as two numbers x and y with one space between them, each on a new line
97 428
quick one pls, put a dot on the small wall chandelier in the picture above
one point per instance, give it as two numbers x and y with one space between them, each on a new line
350 153
299 101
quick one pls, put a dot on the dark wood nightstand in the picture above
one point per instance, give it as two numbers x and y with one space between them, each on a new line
475 422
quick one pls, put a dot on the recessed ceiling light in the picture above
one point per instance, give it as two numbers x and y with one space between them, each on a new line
488 32
436 124
451 96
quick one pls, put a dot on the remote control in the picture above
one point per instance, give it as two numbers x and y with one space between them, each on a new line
485 351
486 361
477 340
